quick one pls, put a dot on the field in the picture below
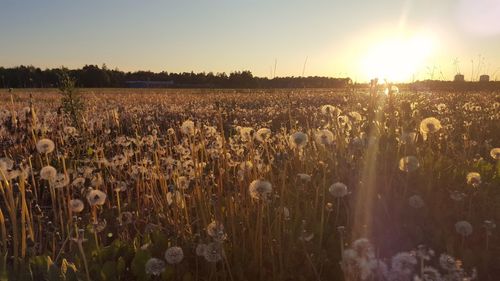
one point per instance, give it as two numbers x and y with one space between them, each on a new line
250 185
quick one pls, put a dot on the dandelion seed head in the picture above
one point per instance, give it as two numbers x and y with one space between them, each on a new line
298 140
324 137
48 173
474 179
174 255
430 125
416 202
338 190
76 205
463 228
409 164
260 189
96 197
45 146
155 266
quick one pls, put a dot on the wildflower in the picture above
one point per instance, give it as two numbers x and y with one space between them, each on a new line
304 177
263 135
306 236
69 130
324 137
76 205
404 263
213 252
78 182
409 164
495 153
187 127
182 182
355 116
61 180
45 146
246 133
286 213
457 196
125 218
430 274
174 255
330 110
200 249
424 253
155 266
473 179
260 189
441 107
216 231
429 125
298 140
338 190
48 173
99 226
447 262
463 228
96 197
118 160
6 164
416 202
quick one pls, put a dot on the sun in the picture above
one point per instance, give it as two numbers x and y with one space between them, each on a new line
397 58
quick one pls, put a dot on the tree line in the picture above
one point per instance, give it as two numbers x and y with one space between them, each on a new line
93 76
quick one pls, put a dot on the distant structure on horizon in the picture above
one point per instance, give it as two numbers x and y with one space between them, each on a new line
484 78
459 78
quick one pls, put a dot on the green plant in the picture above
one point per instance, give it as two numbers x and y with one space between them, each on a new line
71 101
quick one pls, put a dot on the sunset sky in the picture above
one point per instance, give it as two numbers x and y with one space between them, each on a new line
400 40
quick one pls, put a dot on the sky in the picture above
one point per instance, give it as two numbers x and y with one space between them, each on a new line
399 40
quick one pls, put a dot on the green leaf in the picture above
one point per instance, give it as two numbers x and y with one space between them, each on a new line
139 264
3 267
108 271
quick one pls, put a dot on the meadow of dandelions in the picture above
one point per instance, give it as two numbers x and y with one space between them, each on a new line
251 185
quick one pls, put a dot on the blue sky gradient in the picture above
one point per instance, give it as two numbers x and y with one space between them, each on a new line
243 35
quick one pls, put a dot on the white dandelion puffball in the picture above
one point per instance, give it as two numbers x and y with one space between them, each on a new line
96 197
200 249
416 202
48 173
328 109
324 137
304 177
338 190
447 262
430 125
61 180
45 146
155 266
473 179
495 153
263 135
6 164
216 231
404 263
409 164
213 252
187 127
463 228
260 189
76 205
174 255
246 133
298 140
69 130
